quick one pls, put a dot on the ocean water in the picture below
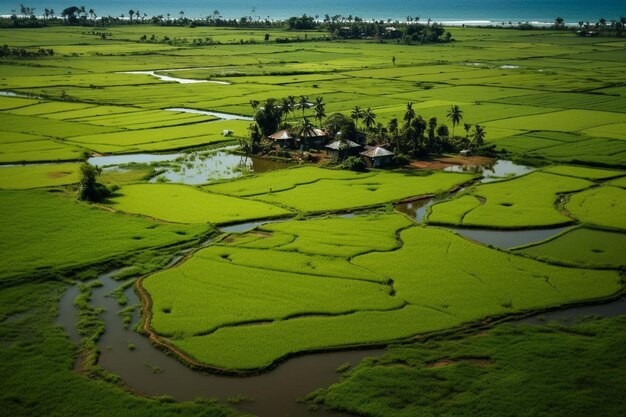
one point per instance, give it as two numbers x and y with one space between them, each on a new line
438 10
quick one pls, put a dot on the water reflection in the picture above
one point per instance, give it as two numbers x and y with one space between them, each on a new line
493 171
192 167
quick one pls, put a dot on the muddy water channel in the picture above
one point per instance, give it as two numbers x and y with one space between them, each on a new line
272 394
150 371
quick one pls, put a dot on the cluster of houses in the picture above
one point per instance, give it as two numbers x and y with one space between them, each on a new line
318 139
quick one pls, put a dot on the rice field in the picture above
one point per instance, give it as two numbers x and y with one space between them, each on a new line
185 204
268 306
584 247
318 281
527 201
514 83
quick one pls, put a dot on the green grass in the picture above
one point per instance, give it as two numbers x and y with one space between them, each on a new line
582 172
510 370
44 232
36 176
382 187
185 204
255 322
527 201
259 293
278 181
582 247
602 206
23 147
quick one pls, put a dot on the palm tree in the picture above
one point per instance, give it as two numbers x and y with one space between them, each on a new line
419 124
254 104
356 114
285 106
558 22
432 125
369 117
392 126
479 136
467 128
306 129
303 104
409 115
131 13
455 114
319 111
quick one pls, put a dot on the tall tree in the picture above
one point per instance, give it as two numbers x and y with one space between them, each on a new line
356 114
479 136
320 112
419 126
369 118
409 114
432 125
303 104
455 115
467 128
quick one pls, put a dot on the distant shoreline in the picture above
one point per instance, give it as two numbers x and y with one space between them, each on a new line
443 22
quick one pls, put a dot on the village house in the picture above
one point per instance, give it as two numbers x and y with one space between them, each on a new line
342 149
377 157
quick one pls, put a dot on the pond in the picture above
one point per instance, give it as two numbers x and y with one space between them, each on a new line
13 94
495 171
507 239
192 168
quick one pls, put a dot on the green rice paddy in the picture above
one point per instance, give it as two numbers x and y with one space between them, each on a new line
277 322
184 204
583 247
528 201
318 281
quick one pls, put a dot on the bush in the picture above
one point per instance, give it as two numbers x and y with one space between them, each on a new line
401 160
89 189
353 163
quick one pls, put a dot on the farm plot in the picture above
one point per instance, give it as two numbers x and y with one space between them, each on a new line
89 235
164 138
602 206
315 313
23 147
384 187
563 121
184 204
36 176
281 180
527 201
588 248
592 174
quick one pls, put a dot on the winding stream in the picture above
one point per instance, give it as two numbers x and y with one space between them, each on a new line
271 394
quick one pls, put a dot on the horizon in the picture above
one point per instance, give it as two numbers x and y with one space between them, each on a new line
456 11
